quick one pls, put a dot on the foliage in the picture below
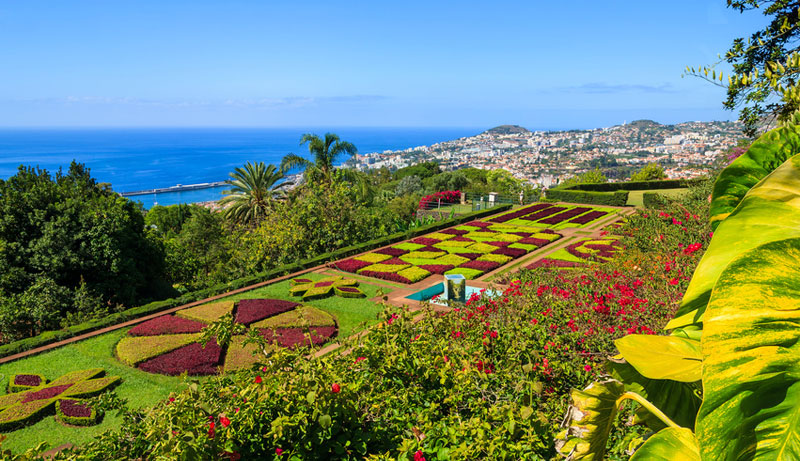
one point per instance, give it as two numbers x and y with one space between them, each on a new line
64 232
409 185
650 172
433 200
324 152
253 189
421 170
590 177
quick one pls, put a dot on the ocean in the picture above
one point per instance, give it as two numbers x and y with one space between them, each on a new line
138 159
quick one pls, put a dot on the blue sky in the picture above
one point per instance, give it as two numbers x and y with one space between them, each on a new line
553 65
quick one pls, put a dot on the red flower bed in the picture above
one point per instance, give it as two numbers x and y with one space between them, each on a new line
485 266
545 262
253 310
46 393
425 241
166 325
349 289
395 261
294 337
390 276
470 255
194 359
452 231
588 217
520 212
549 231
534 241
461 239
433 200
481 224
501 244
430 248
523 234
27 380
513 252
352 265
437 268
298 281
391 251
541 214
75 409
565 215
323 284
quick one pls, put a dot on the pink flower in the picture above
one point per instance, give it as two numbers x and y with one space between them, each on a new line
587 367
278 451
419 456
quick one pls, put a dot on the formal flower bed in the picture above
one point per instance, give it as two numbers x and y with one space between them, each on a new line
519 213
545 214
75 412
309 289
476 247
162 346
565 215
21 382
18 409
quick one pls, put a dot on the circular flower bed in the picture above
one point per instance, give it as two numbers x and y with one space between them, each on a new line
169 344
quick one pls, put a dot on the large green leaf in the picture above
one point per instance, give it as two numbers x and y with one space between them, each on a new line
751 357
662 357
767 153
669 444
753 223
679 401
589 420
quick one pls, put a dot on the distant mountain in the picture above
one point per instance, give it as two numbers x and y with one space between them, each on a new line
644 123
507 129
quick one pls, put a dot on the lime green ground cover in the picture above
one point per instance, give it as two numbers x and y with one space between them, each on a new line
636 197
141 389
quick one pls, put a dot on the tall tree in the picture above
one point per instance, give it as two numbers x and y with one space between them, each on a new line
765 67
324 153
253 190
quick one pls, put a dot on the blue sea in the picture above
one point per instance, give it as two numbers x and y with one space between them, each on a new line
139 159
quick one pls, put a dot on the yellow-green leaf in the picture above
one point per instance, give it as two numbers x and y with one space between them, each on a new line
751 357
669 444
662 357
589 420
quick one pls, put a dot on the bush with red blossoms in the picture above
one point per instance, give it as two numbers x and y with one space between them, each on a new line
445 197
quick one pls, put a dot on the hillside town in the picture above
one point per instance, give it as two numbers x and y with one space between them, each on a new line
545 158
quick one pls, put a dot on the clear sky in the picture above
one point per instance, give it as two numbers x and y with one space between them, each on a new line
545 65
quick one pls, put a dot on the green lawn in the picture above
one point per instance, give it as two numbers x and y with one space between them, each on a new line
635 197
140 388
143 389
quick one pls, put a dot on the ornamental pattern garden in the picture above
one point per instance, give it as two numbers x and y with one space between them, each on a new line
170 345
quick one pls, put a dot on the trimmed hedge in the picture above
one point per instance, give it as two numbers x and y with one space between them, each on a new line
635 185
616 198
72 411
653 200
48 337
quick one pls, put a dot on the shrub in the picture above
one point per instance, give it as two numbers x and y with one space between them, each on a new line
616 198
589 217
500 259
424 254
484 266
513 252
392 251
452 259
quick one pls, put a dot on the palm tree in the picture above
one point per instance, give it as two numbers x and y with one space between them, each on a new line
324 152
253 190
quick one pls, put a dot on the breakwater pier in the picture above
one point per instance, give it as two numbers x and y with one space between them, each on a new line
176 188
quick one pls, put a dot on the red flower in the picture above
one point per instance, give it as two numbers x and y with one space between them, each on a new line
673 282
419 456
224 421
360 359
211 429
258 380
587 367
335 388
278 451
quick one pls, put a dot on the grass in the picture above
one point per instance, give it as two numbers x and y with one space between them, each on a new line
636 197
139 388
350 313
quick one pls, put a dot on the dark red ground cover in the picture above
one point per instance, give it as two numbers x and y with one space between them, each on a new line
323 284
253 310
541 214
549 231
350 289
588 217
27 380
523 234
545 262
194 359
165 325
46 393
75 409
565 215
395 261
513 252
520 212
485 266
481 224
534 241
294 337
461 239
452 231
425 241
431 248
470 255
302 280
437 268
391 251
499 244
390 276
352 265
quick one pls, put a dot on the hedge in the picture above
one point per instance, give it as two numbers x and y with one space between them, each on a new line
634 185
49 337
653 200
616 198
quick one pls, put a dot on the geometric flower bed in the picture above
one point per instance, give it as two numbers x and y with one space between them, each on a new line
327 286
581 253
169 344
471 249
557 216
23 407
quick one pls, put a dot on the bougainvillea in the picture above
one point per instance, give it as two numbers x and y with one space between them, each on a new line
21 408
309 289
445 197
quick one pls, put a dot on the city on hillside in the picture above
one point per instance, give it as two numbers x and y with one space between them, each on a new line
545 158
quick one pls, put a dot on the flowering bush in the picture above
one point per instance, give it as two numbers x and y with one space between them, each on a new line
445 197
